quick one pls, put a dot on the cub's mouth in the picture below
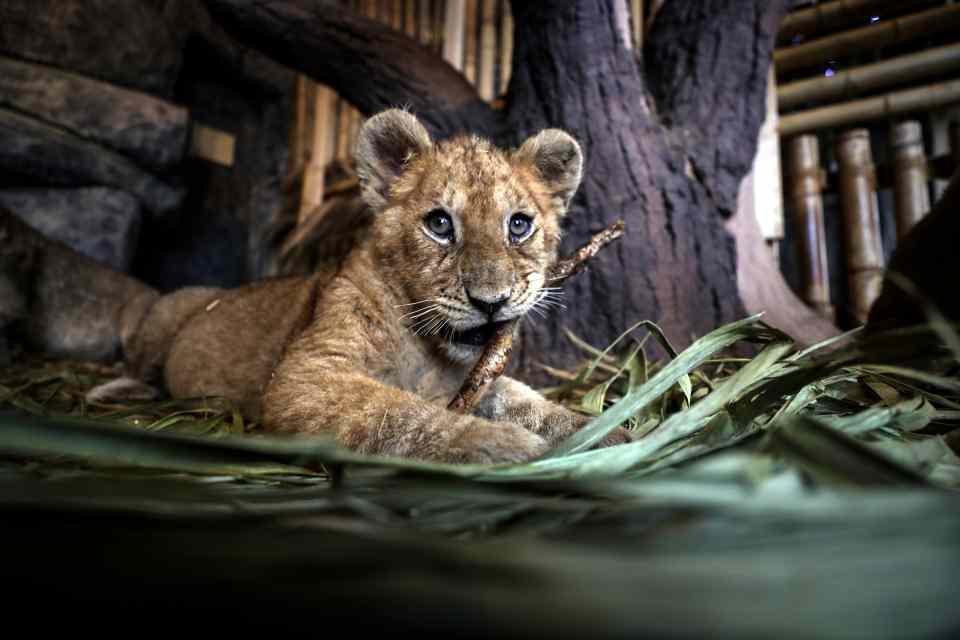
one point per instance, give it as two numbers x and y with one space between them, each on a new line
478 336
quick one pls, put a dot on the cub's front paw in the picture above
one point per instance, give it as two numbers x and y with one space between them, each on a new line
485 442
615 437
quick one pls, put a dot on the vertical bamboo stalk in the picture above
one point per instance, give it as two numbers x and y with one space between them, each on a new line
425 22
954 133
861 221
470 43
806 208
910 176
636 21
453 33
344 118
506 46
396 15
410 18
320 153
488 49
298 132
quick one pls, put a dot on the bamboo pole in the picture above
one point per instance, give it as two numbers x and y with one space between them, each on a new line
861 221
848 84
453 33
506 46
410 18
833 15
298 132
890 104
488 50
910 176
636 20
470 43
396 15
320 153
424 22
806 180
815 52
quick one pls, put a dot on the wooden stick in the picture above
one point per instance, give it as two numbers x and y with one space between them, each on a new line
496 354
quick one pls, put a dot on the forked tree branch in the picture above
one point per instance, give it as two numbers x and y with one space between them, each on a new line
370 64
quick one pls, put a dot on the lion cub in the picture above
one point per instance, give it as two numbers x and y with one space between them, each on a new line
372 351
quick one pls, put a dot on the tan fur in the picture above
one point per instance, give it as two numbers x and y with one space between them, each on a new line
363 352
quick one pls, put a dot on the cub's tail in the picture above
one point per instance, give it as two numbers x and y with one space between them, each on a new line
55 300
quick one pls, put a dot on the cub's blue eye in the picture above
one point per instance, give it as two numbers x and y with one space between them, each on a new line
521 225
439 223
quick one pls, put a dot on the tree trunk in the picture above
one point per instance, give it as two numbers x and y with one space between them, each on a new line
667 136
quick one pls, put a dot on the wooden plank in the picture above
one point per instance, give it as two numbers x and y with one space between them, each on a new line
488 49
453 27
213 145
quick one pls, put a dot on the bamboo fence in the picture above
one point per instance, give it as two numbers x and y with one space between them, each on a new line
882 66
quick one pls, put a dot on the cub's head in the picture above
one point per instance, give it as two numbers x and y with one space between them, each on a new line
465 232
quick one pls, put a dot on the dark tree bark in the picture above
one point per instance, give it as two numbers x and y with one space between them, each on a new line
368 63
668 137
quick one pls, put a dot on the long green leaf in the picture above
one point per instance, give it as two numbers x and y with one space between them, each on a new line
637 400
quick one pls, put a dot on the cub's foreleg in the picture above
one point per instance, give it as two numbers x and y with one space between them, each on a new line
509 400
368 416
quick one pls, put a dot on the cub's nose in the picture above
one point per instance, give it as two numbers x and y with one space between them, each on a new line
489 307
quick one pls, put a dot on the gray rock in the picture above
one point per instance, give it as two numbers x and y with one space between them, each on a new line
151 131
48 155
98 222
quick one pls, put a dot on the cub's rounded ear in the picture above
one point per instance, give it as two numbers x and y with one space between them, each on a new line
386 143
558 160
